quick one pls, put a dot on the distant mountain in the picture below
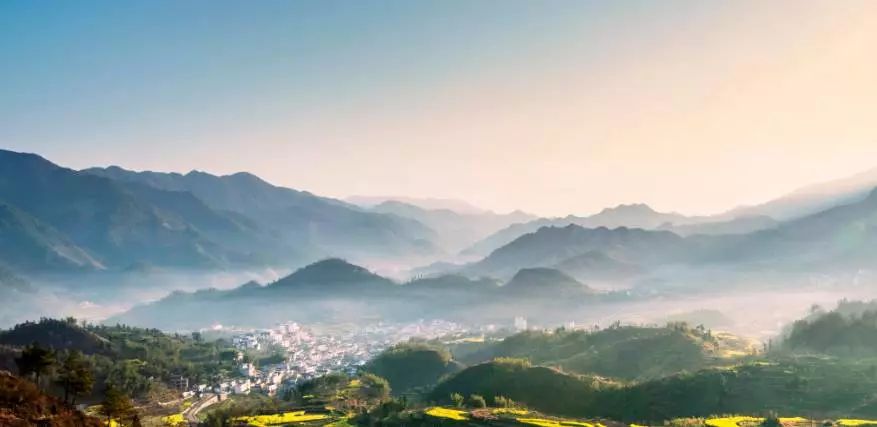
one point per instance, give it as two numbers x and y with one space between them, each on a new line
596 265
551 246
454 231
338 291
29 244
840 237
329 275
630 216
545 281
315 225
426 203
814 198
90 221
739 225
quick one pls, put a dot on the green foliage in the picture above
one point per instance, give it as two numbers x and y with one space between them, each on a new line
116 404
540 388
75 376
625 352
836 333
35 361
412 365
457 399
476 401
373 388
134 360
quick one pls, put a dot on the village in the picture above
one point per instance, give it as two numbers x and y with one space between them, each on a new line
297 353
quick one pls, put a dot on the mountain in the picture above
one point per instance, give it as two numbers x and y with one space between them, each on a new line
545 281
814 198
550 246
98 221
335 290
840 237
29 244
596 265
322 226
426 203
328 274
455 231
630 216
737 225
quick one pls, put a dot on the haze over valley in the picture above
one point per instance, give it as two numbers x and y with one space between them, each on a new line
453 213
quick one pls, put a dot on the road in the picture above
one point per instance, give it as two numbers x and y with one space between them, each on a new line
191 413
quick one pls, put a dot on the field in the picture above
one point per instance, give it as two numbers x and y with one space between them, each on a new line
280 419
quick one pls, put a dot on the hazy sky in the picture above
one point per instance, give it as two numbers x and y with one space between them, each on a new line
553 107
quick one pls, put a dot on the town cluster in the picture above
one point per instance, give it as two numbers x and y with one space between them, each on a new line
310 353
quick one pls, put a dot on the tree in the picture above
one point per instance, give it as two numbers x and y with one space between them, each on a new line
75 377
115 404
477 401
373 388
34 360
457 399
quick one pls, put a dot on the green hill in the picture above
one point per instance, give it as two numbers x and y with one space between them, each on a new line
843 332
624 352
410 366
543 389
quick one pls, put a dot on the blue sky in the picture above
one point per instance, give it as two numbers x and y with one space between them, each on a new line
550 106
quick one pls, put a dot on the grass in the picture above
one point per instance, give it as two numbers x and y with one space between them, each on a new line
453 414
280 419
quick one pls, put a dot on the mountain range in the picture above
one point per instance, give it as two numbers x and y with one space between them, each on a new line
56 219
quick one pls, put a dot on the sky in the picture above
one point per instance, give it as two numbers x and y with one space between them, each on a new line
553 107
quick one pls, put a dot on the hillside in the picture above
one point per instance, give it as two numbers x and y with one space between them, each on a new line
29 244
55 334
842 332
544 281
316 225
551 246
625 352
411 366
841 237
814 198
540 388
629 216
22 404
104 223
455 231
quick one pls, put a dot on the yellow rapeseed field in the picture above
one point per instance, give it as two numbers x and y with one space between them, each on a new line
453 414
280 419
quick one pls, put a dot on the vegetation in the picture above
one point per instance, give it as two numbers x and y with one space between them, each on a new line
413 365
23 404
842 332
623 352
138 362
